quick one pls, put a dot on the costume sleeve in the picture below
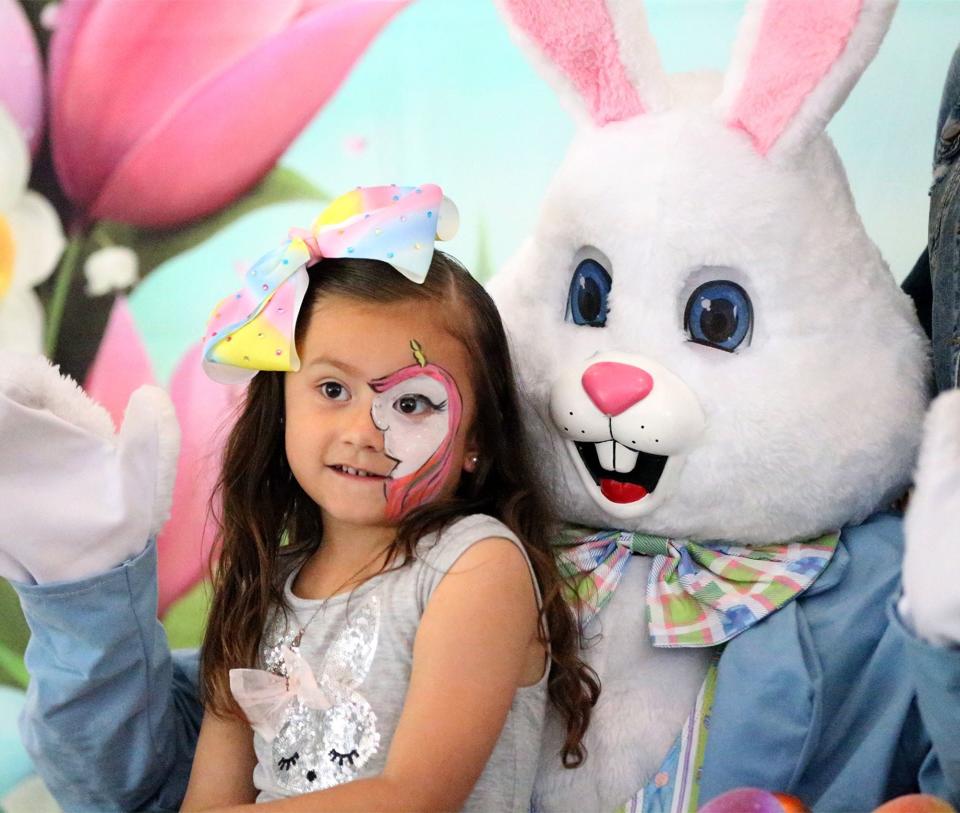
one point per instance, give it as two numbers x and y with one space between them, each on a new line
111 718
936 674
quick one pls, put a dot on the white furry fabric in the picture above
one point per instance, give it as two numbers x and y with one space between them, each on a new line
931 567
811 424
78 499
36 383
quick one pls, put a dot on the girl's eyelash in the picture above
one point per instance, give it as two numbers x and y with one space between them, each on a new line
436 407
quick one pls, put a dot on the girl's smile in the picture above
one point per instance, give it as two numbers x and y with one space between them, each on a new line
377 417
358 473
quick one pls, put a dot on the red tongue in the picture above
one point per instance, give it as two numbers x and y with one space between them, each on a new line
615 491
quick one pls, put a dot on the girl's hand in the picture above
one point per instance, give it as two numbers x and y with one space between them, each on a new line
931 568
223 765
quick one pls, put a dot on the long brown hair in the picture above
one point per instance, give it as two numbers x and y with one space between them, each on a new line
267 521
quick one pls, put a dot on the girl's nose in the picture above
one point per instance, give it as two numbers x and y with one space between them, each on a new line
615 387
362 431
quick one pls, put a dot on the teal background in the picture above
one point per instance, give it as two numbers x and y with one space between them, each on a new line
443 95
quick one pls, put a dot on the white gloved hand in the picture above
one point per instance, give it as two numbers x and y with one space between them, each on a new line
76 498
931 567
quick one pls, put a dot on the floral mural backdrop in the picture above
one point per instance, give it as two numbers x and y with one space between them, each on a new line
149 149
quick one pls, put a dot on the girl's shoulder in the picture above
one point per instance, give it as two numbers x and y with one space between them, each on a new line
453 539
438 552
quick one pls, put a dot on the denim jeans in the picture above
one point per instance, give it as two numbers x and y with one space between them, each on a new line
944 234
111 715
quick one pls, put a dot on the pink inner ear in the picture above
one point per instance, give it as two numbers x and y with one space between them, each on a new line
798 42
584 47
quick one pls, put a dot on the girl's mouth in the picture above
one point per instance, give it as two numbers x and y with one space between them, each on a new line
349 471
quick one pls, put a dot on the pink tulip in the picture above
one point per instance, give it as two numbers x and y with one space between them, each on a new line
121 364
166 110
203 409
21 72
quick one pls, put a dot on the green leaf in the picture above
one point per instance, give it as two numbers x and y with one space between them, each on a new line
12 670
14 634
483 269
156 246
186 618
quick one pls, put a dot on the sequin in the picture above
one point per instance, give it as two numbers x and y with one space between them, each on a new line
316 749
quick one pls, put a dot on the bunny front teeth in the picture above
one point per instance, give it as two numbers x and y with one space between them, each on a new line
610 463
615 456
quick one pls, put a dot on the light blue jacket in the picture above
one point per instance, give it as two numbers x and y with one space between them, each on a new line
829 699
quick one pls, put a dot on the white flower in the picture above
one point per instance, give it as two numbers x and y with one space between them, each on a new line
110 269
31 241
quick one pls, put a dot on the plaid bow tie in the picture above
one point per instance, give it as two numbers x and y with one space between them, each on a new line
698 594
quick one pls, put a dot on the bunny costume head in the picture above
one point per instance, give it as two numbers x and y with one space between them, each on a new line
714 344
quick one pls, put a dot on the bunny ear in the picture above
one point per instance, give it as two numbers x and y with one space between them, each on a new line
598 54
793 65
350 656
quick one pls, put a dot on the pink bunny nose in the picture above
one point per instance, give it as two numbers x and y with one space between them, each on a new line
615 387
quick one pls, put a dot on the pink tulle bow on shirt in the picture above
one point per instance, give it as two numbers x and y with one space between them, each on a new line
265 696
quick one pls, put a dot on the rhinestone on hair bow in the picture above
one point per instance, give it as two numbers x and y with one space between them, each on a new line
253 329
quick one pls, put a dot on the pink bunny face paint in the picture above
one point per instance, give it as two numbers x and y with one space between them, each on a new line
418 408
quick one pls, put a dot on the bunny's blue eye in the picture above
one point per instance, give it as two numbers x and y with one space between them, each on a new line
587 303
719 314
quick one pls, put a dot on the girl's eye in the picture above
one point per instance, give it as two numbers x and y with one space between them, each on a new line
334 391
587 302
416 405
719 314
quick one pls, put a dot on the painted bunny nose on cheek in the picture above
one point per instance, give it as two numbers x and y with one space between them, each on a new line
615 387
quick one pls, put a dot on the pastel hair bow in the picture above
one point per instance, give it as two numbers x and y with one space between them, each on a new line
253 329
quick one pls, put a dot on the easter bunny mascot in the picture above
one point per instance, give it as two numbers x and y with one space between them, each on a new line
725 378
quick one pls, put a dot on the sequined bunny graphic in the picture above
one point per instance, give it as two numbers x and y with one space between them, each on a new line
321 729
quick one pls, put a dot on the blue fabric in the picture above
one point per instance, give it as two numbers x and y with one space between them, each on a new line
944 234
831 699
110 719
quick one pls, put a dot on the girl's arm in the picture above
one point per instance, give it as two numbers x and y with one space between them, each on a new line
473 649
223 766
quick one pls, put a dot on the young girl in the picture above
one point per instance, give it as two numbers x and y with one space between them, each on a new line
388 616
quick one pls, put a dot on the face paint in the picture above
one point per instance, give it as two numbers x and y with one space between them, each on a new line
418 408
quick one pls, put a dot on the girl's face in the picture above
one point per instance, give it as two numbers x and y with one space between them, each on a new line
377 418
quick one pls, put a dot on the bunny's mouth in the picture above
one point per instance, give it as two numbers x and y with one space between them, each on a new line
623 475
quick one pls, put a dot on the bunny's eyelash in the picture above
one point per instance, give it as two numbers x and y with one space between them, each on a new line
286 763
336 756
